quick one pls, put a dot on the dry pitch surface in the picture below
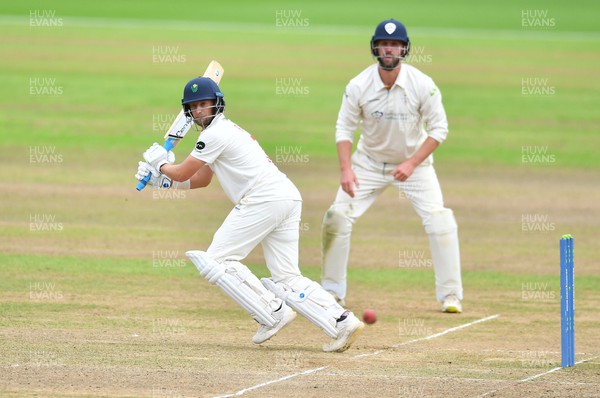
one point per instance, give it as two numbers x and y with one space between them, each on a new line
159 330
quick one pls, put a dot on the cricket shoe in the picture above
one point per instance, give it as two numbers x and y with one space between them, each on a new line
286 315
451 304
349 328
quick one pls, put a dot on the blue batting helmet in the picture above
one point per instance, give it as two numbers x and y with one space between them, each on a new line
202 88
390 29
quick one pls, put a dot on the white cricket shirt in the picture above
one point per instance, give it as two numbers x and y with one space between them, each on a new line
393 123
243 168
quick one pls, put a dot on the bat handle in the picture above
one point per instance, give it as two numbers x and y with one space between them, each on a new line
142 184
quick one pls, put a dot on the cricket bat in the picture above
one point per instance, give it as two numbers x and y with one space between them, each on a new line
182 123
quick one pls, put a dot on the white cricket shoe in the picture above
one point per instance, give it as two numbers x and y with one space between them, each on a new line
264 333
338 300
451 304
348 330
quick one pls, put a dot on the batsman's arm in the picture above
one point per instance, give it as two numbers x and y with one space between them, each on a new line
195 170
202 178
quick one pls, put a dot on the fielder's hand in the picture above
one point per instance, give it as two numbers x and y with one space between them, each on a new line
157 180
403 171
156 156
349 181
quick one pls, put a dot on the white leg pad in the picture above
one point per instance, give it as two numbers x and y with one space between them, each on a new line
336 232
239 283
309 299
445 253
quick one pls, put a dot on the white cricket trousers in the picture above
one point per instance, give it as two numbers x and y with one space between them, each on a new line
276 225
423 191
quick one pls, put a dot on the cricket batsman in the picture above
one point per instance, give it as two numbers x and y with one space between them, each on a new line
267 210
402 121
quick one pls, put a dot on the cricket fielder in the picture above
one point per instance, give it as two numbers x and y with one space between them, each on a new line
402 121
267 211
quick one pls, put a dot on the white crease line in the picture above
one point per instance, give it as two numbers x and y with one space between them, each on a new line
433 336
315 370
448 331
533 377
284 378
551 371
491 381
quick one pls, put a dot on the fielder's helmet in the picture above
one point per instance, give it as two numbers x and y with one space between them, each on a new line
202 88
390 29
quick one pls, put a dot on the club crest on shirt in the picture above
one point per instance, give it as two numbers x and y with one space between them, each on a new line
200 145
377 115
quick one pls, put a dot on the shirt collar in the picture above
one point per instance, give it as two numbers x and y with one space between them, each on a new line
217 117
400 80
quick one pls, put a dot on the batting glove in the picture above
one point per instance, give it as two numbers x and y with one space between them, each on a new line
157 180
156 156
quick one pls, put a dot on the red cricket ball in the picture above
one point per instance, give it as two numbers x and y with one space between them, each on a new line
369 316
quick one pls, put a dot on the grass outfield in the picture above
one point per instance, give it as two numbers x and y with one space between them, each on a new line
112 84
96 295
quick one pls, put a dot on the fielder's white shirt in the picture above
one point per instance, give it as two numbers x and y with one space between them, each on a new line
395 122
244 170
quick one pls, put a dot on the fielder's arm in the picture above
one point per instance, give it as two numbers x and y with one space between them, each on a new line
406 168
434 117
348 179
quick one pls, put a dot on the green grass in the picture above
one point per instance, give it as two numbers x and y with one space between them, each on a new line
34 285
572 16
112 89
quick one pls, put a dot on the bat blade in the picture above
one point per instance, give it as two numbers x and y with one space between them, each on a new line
214 71
182 124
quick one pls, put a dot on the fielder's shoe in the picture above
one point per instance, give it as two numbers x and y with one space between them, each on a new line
349 328
285 314
340 301
451 304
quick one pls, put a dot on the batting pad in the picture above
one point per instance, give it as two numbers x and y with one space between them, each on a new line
309 299
445 253
239 283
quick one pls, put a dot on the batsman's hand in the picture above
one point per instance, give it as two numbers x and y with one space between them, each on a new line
157 180
156 156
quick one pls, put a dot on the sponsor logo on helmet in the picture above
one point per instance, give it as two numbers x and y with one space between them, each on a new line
390 27
194 88
200 145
